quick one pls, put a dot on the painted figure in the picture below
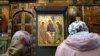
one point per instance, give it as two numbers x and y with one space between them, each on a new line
51 31
50 27
42 33
58 32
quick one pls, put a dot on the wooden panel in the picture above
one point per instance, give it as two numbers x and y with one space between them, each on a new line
28 28
92 18
4 17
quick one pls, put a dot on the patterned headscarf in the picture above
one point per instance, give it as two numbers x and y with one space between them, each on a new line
76 26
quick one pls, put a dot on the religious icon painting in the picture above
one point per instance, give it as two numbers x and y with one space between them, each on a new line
74 11
50 29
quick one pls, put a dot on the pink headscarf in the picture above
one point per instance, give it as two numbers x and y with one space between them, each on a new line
23 36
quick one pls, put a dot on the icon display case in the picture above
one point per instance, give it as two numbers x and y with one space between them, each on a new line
50 29
50 21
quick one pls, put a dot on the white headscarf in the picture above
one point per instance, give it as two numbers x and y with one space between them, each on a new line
76 25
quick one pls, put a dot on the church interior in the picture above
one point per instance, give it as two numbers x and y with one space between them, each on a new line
34 17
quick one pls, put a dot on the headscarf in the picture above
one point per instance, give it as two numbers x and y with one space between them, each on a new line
23 36
75 26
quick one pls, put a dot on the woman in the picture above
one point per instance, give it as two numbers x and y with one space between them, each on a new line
80 43
20 45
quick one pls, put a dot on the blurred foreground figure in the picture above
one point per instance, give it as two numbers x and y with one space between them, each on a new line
20 45
81 43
